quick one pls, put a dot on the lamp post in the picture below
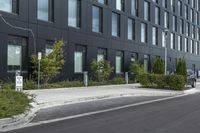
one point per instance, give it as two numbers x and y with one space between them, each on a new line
166 34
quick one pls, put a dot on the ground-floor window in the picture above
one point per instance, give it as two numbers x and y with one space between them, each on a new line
79 59
119 62
48 47
134 57
17 53
146 63
102 54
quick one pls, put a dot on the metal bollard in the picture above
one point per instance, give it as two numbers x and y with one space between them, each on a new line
126 77
85 78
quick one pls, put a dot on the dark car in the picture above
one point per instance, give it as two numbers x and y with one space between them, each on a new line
191 78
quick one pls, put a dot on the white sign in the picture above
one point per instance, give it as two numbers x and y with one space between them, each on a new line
39 55
19 82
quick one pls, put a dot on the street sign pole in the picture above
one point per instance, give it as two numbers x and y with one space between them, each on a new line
39 59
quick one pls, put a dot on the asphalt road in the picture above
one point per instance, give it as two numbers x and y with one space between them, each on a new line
179 115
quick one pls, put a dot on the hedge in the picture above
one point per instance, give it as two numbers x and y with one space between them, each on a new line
174 82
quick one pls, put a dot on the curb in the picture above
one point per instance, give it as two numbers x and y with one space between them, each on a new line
19 121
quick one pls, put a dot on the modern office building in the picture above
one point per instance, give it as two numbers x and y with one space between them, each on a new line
121 31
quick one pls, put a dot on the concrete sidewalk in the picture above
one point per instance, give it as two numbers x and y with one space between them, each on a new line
54 97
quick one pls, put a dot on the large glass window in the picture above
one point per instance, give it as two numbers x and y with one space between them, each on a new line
96 19
180 7
131 29
119 62
186 45
172 41
79 59
120 5
179 43
155 36
186 12
174 23
45 10
163 39
146 11
173 7
102 54
11 6
157 15
74 17
134 7
143 32
164 3
192 47
102 1
166 19
181 28
17 53
115 25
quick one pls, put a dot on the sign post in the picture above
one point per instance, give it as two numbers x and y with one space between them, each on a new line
18 82
39 59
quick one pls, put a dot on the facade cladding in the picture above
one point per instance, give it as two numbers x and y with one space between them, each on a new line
121 31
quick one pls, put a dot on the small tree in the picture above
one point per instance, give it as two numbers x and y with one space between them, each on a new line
51 63
136 69
158 66
181 68
101 70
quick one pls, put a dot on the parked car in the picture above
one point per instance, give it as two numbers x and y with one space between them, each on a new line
191 78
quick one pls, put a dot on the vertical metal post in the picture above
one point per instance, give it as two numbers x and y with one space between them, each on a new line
39 59
126 77
38 74
85 78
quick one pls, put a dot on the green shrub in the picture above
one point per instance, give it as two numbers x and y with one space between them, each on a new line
158 66
101 70
175 82
29 85
181 68
144 80
8 86
118 80
135 70
13 103
96 83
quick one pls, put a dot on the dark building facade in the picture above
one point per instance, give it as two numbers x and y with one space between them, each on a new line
121 31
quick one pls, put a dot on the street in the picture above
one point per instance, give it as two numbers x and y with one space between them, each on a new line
178 115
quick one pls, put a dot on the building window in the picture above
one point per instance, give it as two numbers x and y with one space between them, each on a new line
97 19
119 62
120 5
198 34
45 10
134 7
187 27
198 21
17 54
198 51
196 47
131 29
164 3
193 2
198 5
193 31
192 47
156 1
186 12
143 32
79 59
173 7
105 2
11 6
179 43
192 15
180 8
181 26
155 36
186 45
146 62
146 11
134 57
101 54
174 23
74 13
166 20
115 24
163 39
157 15
49 47
172 41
